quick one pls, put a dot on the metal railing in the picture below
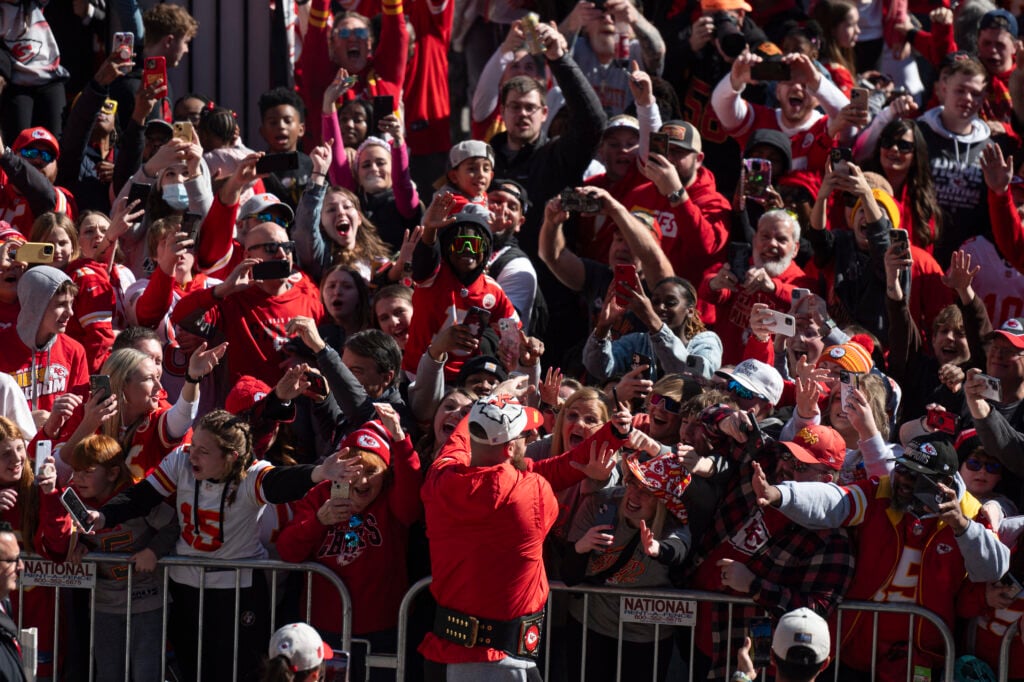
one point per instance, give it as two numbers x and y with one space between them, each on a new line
911 610
270 566
1004 651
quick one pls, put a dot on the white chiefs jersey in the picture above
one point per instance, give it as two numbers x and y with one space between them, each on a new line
999 284
206 532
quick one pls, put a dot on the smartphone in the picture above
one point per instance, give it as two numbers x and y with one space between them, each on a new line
758 177
658 144
696 365
33 252
44 448
182 131
943 421
927 492
272 269
1010 581
841 157
383 105
277 163
139 192
124 46
848 383
859 98
640 359
341 490
99 384
190 224
79 512
761 641
901 238
477 319
800 293
625 279
993 392
607 515
781 323
771 71
739 259
154 71
336 667
317 383
580 202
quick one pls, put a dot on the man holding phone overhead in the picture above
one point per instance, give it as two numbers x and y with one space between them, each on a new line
251 308
169 28
348 43
902 533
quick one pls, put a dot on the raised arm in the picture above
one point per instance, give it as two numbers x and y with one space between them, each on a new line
566 265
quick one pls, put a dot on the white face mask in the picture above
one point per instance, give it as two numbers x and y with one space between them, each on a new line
175 196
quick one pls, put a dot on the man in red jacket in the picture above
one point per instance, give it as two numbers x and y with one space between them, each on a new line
488 510
681 195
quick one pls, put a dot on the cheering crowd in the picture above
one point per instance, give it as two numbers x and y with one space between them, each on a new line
712 294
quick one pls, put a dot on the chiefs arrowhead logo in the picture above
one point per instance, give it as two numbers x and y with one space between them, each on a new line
25 50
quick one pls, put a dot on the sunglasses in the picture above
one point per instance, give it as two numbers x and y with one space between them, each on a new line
33 154
742 391
467 243
270 218
794 464
270 248
361 33
903 146
352 534
975 464
667 404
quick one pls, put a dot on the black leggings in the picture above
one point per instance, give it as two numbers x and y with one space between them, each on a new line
26 107
218 629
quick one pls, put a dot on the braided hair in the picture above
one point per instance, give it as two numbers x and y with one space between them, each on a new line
232 434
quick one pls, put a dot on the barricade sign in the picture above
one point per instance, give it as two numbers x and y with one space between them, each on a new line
658 611
42 573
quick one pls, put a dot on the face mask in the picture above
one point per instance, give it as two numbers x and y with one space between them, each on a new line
175 196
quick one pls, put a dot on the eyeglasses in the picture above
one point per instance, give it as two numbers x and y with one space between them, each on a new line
345 33
1004 353
975 464
742 391
902 146
33 154
467 243
352 534
520 108
269 218
271 248
667 404
793 463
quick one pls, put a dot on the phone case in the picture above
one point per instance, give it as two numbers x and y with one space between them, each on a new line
69 498
34 252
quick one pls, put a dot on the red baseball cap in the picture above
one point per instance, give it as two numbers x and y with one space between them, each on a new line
1012 330
36 136
246 392
816 444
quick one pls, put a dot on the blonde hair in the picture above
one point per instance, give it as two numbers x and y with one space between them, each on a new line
46 223
583 395
119 367
28 493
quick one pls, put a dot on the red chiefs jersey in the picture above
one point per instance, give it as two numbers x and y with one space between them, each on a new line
442 301
810 146
14 206
254 322
46 374
92 323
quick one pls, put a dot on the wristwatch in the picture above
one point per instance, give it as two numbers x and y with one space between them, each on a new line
676 196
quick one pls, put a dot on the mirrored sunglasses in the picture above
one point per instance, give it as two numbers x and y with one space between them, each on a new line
345 33
467 243
975 464
33 154
667 404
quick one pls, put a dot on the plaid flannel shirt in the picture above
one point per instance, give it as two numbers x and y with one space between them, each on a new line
795 567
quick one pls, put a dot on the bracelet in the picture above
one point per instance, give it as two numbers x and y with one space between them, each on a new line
189 379
323 175
740 676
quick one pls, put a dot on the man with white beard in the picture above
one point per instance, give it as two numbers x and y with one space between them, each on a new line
770 277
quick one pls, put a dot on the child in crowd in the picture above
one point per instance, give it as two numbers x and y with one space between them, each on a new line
283 123
470 171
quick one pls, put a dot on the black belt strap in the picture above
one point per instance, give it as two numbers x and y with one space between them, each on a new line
518 637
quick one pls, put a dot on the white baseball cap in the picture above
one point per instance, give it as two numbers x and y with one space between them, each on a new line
802 628
301 645
469 149
500 419
758 377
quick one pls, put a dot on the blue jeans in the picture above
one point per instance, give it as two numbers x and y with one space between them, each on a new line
146 643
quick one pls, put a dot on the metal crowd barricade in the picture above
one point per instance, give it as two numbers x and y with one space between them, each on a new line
236 565
1004 651
911 610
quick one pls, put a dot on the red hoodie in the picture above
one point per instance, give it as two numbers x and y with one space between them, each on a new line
695 232
95 305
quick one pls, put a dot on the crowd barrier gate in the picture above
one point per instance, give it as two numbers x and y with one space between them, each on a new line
236 565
